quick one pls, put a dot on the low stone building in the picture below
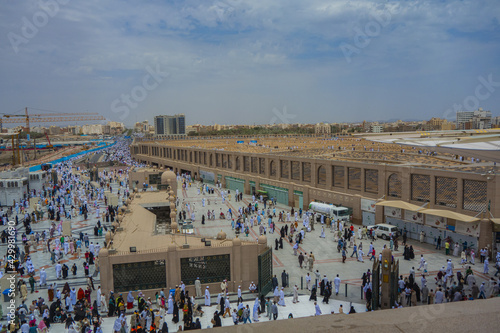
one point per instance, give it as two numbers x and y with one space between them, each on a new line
148 251
442 194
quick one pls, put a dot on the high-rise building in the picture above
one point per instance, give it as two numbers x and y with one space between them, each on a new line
170 125
479 119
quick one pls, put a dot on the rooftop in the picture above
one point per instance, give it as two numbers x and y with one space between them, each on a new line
138 229
385 150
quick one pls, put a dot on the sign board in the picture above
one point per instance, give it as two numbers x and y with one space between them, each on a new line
414 216
467 228
392 212
368 205
435 221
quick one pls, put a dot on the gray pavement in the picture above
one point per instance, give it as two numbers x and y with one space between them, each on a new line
327 259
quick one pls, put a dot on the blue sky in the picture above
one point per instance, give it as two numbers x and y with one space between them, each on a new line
230 62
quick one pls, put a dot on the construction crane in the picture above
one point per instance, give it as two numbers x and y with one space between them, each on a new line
48 140
46 118
40 118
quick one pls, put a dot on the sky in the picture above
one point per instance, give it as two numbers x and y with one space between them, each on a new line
251 61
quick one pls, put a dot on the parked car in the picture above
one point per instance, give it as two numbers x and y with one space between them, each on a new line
384 231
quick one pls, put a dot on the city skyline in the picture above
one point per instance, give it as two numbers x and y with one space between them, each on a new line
251 62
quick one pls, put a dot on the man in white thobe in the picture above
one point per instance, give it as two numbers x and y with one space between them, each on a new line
422 261
207 297
336 282
282 298
58 270
295 294
360 255
197 285
72 295
43 277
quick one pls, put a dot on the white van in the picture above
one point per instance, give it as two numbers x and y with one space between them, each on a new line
385 231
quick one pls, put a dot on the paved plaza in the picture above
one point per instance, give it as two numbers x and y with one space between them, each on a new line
327 260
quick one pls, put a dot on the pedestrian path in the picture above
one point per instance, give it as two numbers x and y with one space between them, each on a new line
304 308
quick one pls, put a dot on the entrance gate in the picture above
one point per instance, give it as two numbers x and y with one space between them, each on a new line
265 283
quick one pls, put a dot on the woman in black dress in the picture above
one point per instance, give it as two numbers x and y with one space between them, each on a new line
175 317
313 294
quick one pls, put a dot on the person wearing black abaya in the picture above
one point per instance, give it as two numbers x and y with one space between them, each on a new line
217 321
262 304
111 306
164 328
313 294
175 316
276 244
327 292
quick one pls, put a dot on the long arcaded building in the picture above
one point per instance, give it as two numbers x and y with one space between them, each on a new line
414 188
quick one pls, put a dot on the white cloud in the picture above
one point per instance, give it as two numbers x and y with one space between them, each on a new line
251 55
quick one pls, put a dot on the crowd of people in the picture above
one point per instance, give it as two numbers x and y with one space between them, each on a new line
82 308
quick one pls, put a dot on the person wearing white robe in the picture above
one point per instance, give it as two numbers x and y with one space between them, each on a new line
422 261
336 282
117 326
98 296
58 270
282 298
295 294
197 285
449 268
322 232
256 310
72 294
69 305
360 256
219 297
104 306
170 305
43 277
207 297
318 310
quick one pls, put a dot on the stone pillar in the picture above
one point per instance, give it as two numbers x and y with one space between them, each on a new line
314 173
173 266
236 263
432 196
379 215
363 178
105 271
485 235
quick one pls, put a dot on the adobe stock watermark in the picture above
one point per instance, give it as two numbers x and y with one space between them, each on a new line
138 93
482 92
282 116
31 27
423 316
223 10
364 35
